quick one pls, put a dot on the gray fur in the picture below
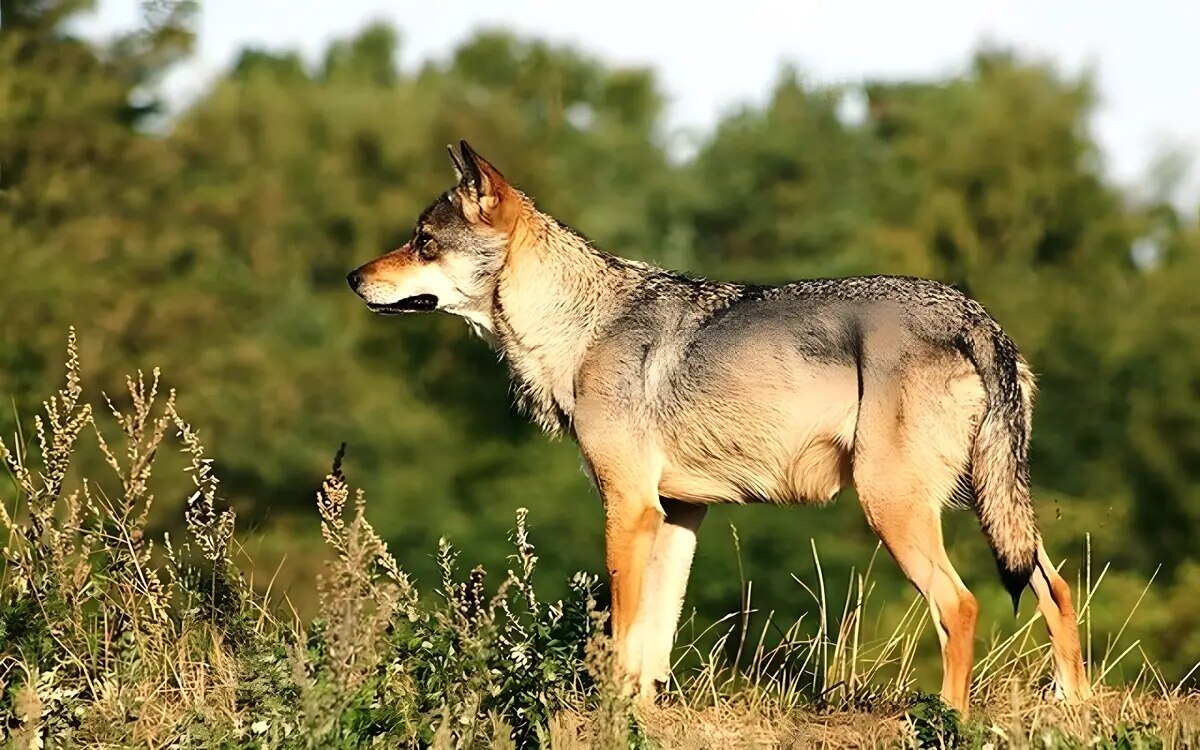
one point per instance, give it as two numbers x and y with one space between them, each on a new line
688 390
681 331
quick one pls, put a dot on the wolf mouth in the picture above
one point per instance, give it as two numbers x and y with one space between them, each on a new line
419 303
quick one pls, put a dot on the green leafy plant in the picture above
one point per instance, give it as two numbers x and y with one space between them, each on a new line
114 634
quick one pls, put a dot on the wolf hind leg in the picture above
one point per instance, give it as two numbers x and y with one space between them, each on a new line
1054 602
911 530
911 446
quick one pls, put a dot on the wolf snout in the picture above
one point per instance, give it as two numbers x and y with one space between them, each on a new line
354 279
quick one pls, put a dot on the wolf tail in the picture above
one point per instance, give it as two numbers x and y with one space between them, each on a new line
1000 455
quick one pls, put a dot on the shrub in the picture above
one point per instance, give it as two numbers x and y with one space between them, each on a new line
111 635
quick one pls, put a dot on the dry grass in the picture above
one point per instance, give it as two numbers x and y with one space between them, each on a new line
110 638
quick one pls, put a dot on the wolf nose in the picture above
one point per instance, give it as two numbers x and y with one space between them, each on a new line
354 279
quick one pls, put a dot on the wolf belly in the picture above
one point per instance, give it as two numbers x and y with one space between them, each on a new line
779 440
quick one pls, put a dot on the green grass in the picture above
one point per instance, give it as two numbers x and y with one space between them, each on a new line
113 636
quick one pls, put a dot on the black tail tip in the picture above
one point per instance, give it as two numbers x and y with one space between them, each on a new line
1015 580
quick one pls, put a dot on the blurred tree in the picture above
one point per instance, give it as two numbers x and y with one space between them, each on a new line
784 192
79 182
214 245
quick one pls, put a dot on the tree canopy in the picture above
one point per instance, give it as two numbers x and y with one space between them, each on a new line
213 244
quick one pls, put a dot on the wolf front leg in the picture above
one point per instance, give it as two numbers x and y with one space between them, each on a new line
663 590
631 523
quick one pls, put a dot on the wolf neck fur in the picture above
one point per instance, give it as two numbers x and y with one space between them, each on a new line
554 294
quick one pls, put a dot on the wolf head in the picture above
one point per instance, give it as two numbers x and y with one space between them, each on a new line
456 252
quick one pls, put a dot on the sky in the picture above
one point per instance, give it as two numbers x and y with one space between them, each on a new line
1143 54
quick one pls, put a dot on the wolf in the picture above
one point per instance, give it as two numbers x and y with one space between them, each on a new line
682 392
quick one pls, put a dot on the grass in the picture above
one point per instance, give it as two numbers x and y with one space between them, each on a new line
112 638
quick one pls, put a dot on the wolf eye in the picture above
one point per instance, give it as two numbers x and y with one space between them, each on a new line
422 244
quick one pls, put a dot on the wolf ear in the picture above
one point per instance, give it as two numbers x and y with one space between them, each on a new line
484 178
486 196
460 169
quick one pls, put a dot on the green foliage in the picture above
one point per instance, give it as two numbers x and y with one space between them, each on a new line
213 242
105 641
934 724
115 635
510 656
1126 736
